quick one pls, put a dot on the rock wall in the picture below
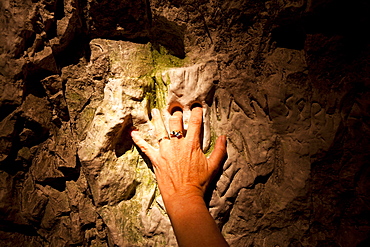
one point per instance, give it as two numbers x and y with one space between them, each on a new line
287 81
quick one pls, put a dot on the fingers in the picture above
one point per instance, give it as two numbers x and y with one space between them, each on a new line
144 146
218 153
195 125
176 122
160 129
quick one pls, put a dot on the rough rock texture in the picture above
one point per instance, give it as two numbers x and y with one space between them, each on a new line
287 81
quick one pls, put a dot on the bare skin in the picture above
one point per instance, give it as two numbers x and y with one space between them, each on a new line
183 173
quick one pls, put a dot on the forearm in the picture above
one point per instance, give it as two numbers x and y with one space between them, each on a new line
192 223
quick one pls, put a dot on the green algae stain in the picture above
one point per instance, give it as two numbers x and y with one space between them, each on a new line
145 65
212 143
131 222
155 92
157 87
163 59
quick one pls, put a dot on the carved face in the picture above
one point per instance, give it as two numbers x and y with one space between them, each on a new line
189 86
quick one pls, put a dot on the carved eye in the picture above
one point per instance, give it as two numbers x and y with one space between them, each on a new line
195 104
174 108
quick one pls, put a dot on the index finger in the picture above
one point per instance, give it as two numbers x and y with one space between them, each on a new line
195 125
160 129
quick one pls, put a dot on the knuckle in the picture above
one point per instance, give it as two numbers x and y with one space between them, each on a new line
193 144
174 118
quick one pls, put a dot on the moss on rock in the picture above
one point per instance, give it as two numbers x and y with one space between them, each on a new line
157 87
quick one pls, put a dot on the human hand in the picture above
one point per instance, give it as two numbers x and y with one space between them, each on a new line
181 168
183 173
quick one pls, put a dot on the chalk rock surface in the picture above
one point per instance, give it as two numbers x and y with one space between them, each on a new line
286 81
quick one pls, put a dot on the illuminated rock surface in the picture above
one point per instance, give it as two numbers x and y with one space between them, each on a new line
287 82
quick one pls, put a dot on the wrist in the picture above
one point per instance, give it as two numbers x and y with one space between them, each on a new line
184 202
185 193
